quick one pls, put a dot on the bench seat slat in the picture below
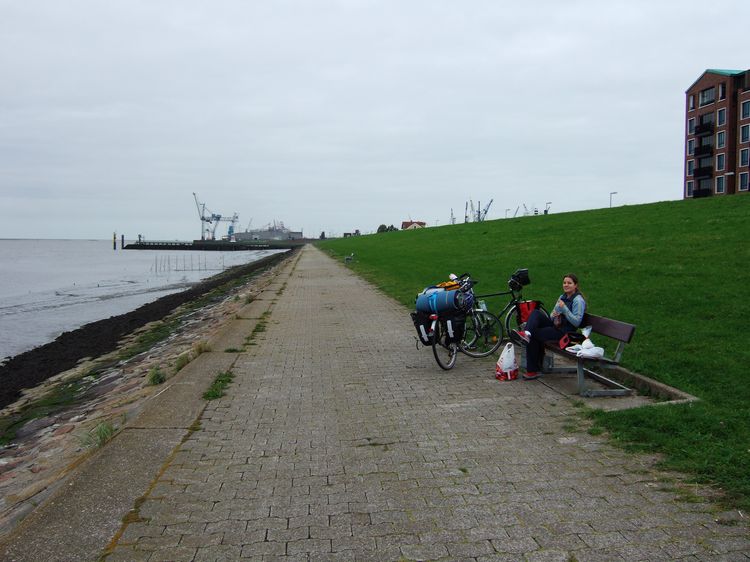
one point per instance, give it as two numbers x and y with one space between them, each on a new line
621 331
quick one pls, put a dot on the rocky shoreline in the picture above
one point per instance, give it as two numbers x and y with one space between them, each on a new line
29 369
46 447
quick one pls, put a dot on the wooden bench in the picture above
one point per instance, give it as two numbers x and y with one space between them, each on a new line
601 327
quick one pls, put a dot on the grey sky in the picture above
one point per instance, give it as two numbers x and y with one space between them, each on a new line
337 115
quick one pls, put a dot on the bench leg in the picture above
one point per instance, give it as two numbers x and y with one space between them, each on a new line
581 378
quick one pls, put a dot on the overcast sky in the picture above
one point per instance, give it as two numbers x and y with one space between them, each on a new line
341 115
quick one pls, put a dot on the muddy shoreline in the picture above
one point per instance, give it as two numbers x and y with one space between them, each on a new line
29 369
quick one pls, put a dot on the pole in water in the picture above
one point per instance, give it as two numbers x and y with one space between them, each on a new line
122 241
114 241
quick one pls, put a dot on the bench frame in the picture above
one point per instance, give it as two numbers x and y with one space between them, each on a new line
621 332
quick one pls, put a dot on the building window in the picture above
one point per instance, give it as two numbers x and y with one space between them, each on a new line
691 126
691 147
706 96
707 141
720 184
690 167
689 189
744 179
720 162
704 185
721 139
691 102
745 110
745 157
745 133
721 117
707 118
722 91
705 162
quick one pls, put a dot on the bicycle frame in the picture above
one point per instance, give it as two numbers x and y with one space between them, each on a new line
516 297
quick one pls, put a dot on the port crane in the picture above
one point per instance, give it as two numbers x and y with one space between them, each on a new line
209 218
482 213
478 214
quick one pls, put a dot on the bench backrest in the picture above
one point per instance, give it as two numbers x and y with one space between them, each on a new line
620 331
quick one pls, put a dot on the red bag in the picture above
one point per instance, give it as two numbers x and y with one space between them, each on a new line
525 308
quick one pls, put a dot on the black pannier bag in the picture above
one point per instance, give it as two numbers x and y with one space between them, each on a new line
519 279
422 323
455 325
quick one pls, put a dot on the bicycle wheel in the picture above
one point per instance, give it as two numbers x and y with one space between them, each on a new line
445 353
484 334
513 319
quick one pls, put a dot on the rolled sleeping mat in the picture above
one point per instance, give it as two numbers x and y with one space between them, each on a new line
441 301
423 299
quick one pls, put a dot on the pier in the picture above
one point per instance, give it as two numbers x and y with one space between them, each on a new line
215 245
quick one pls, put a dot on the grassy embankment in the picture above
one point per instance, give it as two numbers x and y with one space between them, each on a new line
678 270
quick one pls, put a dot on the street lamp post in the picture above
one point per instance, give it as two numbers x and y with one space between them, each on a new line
611 193
506 213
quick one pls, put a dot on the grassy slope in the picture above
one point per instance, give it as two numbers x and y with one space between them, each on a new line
678 270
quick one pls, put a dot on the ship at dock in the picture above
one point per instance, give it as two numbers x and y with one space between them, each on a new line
275 231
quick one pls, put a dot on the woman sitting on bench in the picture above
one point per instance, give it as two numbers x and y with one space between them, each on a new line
565 318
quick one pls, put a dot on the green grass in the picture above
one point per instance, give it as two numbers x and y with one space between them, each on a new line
155 376
217 388
678 270
56 400
99 435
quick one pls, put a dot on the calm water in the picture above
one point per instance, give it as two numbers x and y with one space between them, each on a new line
51 286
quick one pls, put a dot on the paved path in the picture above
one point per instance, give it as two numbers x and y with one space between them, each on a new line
338 440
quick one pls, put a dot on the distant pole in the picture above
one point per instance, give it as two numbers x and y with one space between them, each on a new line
611 193
122 241
506 213
114 241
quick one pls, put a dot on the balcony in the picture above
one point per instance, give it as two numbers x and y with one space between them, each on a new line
706 150
704 129
701 173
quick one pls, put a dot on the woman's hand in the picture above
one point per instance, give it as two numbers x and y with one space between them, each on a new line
561 304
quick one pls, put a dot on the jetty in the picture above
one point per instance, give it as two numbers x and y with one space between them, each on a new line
215 245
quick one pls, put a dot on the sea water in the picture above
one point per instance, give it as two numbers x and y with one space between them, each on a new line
51 286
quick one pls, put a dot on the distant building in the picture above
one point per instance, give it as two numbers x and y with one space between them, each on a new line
411 225
717 134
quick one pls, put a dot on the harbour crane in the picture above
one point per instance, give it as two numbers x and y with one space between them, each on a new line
210 218
483 212
206 219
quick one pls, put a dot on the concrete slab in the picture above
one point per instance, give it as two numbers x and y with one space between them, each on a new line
254 310
232 335
83 516
181 400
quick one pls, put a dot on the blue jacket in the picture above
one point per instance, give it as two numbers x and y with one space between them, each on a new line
571 313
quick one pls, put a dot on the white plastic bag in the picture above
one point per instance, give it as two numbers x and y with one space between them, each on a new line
507 365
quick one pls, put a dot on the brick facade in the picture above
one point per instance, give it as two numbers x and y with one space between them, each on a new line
717 134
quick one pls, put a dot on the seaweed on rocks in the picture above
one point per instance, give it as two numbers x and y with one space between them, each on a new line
29 369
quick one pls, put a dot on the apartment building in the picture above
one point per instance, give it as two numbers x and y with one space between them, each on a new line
717 134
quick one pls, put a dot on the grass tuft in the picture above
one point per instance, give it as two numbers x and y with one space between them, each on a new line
182 360
155 376
217 388
99 435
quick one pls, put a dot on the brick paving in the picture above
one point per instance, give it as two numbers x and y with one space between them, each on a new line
339 440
